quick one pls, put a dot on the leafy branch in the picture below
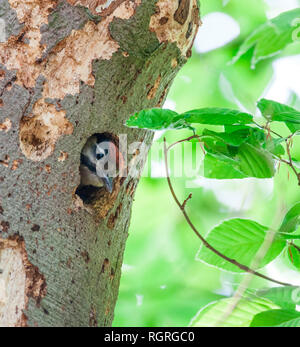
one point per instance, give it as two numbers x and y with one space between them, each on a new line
271 37
203 240
244 149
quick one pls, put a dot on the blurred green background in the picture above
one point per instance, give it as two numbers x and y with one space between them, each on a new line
162 283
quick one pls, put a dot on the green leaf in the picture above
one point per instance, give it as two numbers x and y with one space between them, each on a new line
274 146
159 119
234 138
294 323
256 162
289 236
274 318
214 144
218 116
236 135
258 137
242 315
233 128
238 239
281 296
291 220
294 256
155 119
231 162
274 111
270 38
219 166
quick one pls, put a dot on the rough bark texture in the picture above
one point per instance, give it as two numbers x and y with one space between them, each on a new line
69 69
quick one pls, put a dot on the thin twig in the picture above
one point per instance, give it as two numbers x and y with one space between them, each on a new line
290 163
295 246
186 200
205 243
184 140
266 127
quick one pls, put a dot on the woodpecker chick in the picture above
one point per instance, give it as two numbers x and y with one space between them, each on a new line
99 162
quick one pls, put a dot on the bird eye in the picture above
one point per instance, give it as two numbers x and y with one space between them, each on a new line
106 151
99 156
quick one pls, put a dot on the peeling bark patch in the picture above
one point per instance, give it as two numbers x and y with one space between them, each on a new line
113 217
19 280
10 24
16 163
62 21
98 7
12 283
22 322
47 168
63 156
154 89
4 226
130 186
174 63
6 125
35 282
173 20
68 65
23 52
182 12
5 161
71 59
39 134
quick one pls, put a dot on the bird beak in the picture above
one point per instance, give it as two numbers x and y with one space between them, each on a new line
108 183
104 176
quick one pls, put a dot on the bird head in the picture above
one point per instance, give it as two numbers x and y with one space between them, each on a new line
101 160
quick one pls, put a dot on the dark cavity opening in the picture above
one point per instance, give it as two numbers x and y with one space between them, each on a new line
89 193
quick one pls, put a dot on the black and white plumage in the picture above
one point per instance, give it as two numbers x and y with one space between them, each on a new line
97 154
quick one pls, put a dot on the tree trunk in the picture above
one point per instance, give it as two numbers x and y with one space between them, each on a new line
70 69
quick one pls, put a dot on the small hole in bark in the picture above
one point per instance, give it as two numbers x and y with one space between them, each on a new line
105 265
100 164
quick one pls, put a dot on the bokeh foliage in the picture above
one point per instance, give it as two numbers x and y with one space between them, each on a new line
162 284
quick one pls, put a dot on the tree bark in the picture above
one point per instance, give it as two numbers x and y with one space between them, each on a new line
70 69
